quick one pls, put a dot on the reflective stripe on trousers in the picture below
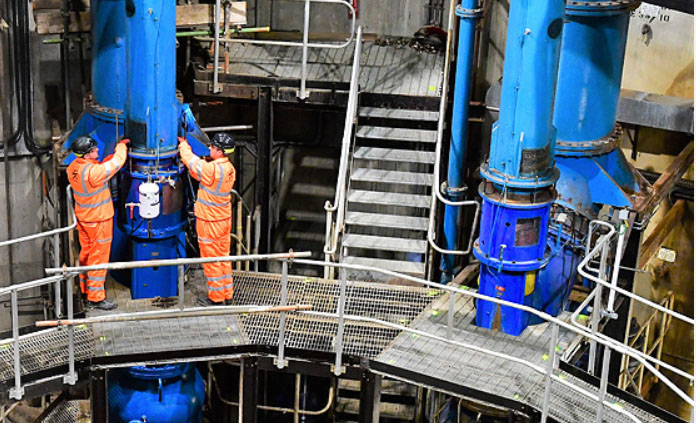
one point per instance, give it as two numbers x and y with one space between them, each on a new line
214 241
95 248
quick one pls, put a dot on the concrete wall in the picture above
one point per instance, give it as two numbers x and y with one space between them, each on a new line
384 17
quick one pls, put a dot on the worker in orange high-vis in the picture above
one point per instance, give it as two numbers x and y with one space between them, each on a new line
213 212
94 210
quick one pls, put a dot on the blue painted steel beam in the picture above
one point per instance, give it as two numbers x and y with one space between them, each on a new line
469 13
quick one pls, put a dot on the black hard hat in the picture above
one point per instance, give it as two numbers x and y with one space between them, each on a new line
83 145
224 142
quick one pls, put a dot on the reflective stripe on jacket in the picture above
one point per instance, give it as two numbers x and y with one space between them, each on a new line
216 182
90 184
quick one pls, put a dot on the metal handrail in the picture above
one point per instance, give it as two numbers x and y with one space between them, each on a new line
334 229
55 233
436 188
595 295
623 349
305 44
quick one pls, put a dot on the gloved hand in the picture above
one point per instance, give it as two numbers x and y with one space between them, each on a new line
181 139
125 141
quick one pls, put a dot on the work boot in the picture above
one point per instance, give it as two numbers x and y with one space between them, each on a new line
105 305
207 302
228 302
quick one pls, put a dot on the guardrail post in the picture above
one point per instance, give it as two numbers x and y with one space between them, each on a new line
549 372
71 377
338 366
281 362
305 41
596 311
603 382
18 391
56 263
181 286
450 316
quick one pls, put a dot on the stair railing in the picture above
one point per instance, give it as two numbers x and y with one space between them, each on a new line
437 186
334 227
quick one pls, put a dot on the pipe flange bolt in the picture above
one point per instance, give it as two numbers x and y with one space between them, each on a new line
602 7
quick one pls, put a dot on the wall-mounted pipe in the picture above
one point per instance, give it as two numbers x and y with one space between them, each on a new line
469 12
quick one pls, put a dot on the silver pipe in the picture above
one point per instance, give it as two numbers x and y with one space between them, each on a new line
56 263
227 128
549 373
47 233
338 365
604 381
281 362
617 264
176 262
180 280
216 65
71 377
29 285
305 40
18 391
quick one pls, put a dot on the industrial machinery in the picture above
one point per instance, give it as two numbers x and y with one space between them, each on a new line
519 177
134 96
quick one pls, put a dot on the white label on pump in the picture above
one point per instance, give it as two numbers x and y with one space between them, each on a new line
149 200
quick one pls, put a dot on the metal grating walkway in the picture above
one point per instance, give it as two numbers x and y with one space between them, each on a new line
423 309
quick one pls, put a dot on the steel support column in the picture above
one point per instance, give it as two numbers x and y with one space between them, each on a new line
248 390
99 398
370 395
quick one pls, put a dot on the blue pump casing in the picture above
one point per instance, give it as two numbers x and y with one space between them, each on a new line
519 176
164 394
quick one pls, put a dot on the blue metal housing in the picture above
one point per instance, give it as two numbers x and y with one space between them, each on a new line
165 394
589 83
517 191
134 82
468 12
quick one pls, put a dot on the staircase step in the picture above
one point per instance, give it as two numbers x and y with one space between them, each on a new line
305 236
407 267
387 221
371 242
378 112
396 134
389 199
305 216
394 155
392 177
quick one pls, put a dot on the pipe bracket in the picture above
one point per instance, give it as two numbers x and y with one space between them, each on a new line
469 13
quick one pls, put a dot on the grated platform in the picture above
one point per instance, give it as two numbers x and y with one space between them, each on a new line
423 309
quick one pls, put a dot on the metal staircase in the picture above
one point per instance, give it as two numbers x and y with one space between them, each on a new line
389 196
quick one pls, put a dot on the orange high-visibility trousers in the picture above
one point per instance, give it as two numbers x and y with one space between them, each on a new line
95 241
214 241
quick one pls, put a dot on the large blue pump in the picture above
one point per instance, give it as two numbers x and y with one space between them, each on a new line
163 394
134 95
519 177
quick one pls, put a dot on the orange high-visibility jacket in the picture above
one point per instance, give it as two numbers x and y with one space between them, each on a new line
90 183
216 182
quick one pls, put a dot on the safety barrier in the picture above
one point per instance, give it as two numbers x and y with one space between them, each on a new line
342 317
335 228
305 44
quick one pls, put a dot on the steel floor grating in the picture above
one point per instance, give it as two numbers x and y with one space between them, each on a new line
495 375
420 308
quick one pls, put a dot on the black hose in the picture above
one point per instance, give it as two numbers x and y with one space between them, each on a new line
13 71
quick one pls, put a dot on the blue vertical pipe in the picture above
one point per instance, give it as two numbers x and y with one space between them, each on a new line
468 12
523 140
152 112
109 53
589 76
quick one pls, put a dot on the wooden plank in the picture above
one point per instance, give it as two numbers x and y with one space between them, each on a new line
664 184
466 275
50 21
661 232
